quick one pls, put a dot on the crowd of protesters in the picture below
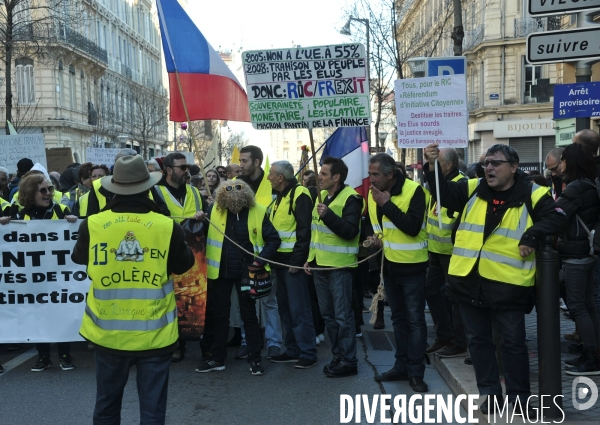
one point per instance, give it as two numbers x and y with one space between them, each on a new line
321 249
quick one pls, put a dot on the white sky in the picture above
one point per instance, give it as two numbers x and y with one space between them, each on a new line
266 24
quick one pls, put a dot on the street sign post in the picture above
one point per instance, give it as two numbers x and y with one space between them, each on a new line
555 7
446 66
578 100
563 46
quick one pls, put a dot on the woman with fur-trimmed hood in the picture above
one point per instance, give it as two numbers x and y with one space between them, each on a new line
235 214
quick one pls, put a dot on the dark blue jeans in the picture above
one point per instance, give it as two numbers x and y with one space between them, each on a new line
510 324
112 372
334 289
293 299
579 281
406 296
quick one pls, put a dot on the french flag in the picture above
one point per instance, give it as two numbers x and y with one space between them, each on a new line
351 144
210 89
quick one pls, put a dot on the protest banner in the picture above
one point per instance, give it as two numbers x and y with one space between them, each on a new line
58 159
190 287
324 86
189 156
432 110
42 292
14 148
101 156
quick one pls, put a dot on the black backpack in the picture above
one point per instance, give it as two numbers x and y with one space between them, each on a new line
594 233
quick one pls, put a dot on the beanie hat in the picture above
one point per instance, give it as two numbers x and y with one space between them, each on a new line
24 165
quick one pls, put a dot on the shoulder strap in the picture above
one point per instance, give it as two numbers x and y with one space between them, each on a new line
58 211
292 194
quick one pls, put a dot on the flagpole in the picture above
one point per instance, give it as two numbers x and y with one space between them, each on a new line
185 109
314 158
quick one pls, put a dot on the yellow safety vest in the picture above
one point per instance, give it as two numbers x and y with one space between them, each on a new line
131 303
84 199
399 247
282 217
214 239
498 255
54 215
192 203
4 204
326 247
440 240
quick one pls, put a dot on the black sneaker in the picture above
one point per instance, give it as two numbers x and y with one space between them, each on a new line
210 366
256 368
392 375
41 364
305 364
66 362
417 384
573 362
336 361
1 369
575 348
451 351
284 358
358 331
437 345
341 371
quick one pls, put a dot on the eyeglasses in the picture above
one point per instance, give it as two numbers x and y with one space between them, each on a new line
553 169
235 186
46 190
494 162
183 167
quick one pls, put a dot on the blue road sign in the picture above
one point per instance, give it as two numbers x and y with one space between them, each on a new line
578 100
446 66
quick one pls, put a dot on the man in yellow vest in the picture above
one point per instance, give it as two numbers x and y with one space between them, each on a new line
334 243
235 214
397 209
492 269
130 250
450 340
182 200
251 159
291 217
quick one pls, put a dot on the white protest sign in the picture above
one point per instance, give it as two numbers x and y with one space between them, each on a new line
189 156
325 86
42 292
101 156
432 110
14 148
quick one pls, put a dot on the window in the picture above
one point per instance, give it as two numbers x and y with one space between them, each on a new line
59 84
286 154
72 86
83 97
25 81
531 73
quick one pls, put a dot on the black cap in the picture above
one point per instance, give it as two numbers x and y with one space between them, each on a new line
24 165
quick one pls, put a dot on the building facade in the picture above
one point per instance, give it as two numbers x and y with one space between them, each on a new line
98 79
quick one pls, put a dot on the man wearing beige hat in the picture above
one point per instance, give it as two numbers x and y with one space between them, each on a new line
130 250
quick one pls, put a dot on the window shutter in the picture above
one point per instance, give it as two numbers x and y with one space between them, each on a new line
528 148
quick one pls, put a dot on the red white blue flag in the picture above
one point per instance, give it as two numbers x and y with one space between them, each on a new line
351 144
210 89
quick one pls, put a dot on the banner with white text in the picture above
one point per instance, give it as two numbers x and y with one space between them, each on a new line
432 110
42 292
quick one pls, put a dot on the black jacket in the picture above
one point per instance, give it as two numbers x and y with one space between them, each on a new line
547 220
303 215
234 262
580 198
180 259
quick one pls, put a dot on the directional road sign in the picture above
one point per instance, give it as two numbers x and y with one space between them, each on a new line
555 7
447 65
564 46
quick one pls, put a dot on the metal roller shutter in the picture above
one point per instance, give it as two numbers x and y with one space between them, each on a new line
548 143
474 151
528 148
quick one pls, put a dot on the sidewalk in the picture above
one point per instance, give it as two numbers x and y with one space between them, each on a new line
461 377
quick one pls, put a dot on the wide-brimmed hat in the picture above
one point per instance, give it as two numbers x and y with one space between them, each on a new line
130 176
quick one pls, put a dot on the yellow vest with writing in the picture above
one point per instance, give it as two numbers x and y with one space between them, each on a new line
214 239
282 217
192 203
326 248
131 304
440 240
498 255
399 247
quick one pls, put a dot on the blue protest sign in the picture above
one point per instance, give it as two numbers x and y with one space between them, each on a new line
578 100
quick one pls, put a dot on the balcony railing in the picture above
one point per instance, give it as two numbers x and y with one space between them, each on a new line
473 37
40 32
473 100
526 26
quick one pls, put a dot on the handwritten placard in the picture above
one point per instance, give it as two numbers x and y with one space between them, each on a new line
432 110
324 86
14 148
58 159
101 156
